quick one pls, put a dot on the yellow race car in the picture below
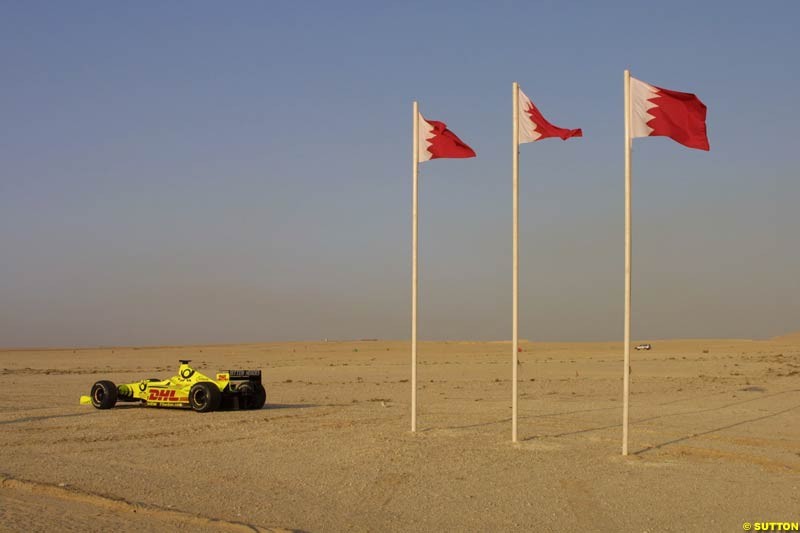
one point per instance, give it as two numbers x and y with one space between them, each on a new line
234 389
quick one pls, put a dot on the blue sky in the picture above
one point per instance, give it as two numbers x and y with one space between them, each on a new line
191 172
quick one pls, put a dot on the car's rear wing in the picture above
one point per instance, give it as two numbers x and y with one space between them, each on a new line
241 375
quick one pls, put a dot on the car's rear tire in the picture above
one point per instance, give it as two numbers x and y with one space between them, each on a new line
252 395
204 397
104 394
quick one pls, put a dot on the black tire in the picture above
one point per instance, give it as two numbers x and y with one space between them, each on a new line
204 397
261 396
252 395
104 395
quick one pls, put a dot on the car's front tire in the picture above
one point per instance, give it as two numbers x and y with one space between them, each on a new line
204 397
104 394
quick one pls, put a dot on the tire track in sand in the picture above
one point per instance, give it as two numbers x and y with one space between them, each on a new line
121 509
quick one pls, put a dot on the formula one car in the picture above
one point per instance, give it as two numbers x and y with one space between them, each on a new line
234 389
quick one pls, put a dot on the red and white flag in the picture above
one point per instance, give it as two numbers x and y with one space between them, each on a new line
436 141
533 126
661 112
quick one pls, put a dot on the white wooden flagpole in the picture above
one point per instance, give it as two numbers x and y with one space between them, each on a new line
515 256
415 196
628 245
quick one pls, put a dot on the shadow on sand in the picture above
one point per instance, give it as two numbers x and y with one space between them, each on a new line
136 405
693 435
40 418
681 413
545 415
291 406
648 419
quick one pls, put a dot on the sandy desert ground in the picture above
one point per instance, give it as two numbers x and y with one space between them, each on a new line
715 437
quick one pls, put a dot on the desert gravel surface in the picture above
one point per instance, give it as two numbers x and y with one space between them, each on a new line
715 440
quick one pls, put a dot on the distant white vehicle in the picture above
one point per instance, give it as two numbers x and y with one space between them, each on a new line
643 347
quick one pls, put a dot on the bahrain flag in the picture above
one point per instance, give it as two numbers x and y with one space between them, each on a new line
661 112
533 126
436 141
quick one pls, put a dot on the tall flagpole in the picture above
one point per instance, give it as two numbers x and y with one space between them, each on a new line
628 245
415 196
515 255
